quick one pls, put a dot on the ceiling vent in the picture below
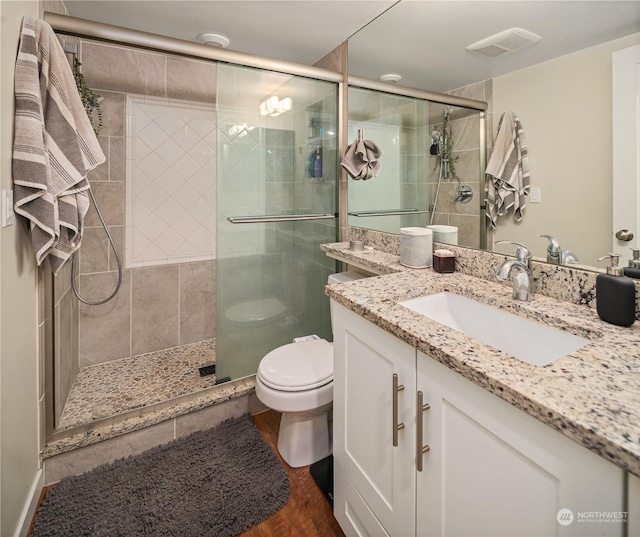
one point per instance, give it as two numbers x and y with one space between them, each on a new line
503 42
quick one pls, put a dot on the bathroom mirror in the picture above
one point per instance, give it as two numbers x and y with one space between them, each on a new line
430 165
560 88
396 196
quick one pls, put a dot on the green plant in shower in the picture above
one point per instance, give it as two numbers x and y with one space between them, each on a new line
89 99
445 153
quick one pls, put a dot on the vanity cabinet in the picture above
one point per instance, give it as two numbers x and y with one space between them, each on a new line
374 475
489 468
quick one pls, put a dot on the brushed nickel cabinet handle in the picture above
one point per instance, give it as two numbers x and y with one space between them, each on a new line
420 449
396 426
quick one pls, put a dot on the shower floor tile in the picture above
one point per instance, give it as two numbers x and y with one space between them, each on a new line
106 390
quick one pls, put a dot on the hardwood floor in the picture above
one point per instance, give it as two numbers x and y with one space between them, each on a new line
306 514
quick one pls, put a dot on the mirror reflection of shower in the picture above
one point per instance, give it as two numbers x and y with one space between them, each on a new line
442 147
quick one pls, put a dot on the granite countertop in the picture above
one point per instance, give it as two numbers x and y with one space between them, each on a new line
591 395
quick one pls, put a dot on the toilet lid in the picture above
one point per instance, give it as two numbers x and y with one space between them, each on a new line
298 366
254 311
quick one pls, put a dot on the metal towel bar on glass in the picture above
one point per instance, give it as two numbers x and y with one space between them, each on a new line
279 218
391 212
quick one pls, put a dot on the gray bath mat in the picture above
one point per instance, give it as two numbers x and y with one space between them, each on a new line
212 483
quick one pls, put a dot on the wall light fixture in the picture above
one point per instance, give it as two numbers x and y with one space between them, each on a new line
273 106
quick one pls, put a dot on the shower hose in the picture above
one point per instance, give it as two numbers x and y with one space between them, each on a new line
115 251
435 199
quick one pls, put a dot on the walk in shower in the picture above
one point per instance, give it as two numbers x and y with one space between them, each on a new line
217 206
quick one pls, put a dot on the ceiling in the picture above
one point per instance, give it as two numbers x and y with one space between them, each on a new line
422 40
297 31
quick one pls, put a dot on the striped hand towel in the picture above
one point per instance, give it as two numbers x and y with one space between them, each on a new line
54 146
508 168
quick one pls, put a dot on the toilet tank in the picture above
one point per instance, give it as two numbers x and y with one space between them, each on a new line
340 277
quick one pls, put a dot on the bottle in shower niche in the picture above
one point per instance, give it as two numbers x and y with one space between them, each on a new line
615 295
311 159
317 163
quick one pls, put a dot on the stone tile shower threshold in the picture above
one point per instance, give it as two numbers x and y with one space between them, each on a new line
120 386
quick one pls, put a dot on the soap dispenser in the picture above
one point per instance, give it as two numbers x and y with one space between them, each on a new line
633 270
615 294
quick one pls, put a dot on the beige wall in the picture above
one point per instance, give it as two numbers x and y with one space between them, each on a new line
20 391
565 109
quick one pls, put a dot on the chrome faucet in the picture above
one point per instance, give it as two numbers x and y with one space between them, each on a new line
522 277
556 255
569 258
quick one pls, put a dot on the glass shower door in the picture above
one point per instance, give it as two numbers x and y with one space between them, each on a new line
276 203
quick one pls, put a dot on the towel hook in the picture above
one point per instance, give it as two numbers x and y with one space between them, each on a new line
360 135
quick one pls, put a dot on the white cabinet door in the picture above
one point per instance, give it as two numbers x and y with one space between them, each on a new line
492 470
365 361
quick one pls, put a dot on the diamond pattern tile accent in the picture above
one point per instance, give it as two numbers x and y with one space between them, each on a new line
171 182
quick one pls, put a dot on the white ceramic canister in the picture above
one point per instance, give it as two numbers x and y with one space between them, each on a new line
416 247
445 234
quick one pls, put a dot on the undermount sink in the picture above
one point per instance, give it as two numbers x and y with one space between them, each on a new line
529 341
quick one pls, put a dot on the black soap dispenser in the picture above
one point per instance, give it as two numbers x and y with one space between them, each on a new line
615 294
633 270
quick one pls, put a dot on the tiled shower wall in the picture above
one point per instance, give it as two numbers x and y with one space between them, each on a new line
171 181
157 307
466 147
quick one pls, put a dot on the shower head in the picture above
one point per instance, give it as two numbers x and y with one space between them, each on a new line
435 145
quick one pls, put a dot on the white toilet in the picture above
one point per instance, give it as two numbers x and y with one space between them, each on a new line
297 380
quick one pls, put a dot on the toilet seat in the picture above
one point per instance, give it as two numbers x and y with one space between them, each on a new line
298 366
256 311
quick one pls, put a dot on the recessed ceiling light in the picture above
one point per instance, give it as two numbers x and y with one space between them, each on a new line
391 77
214 40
